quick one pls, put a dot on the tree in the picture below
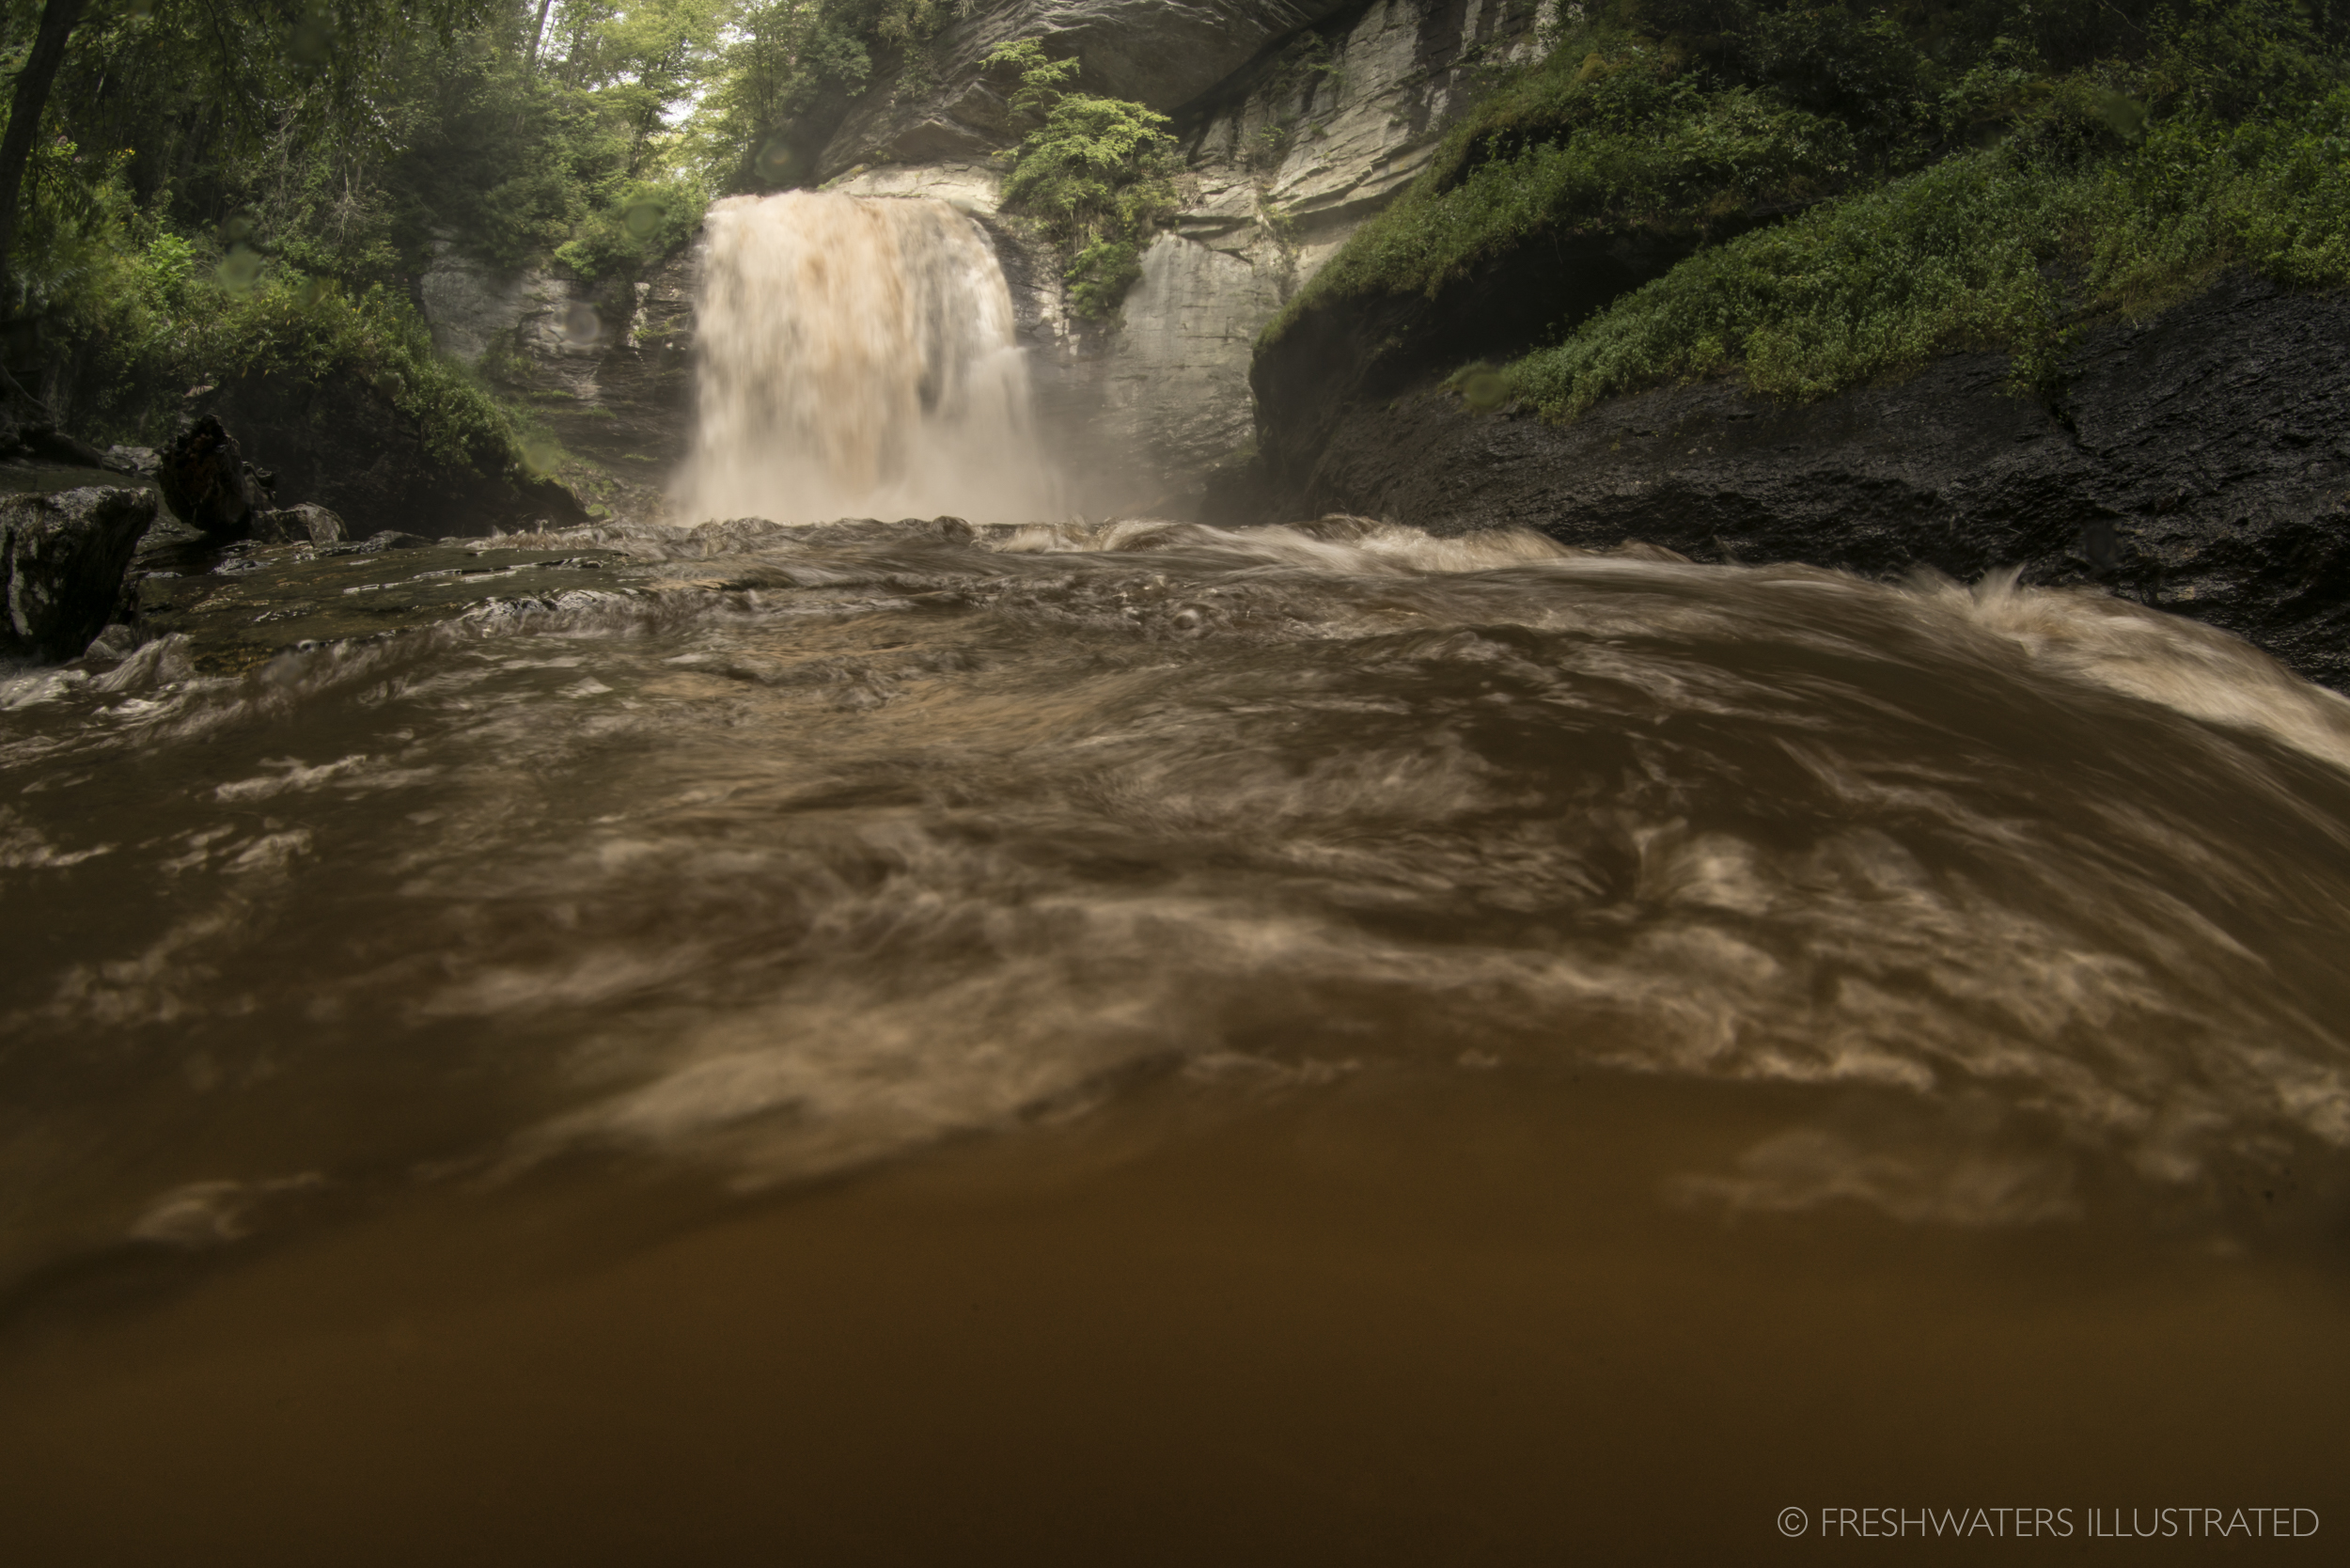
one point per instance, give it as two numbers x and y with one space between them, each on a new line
333 53
58 19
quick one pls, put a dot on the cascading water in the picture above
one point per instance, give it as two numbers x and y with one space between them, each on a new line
857 359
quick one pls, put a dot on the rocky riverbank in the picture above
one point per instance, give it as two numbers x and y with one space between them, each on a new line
2195 461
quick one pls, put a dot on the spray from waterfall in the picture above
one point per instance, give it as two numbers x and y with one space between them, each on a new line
856 359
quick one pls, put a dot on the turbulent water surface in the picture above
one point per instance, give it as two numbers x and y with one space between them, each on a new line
1153 1038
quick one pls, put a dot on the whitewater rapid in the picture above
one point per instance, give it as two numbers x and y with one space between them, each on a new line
772 852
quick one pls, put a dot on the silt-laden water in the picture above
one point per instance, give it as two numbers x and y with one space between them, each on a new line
907 1043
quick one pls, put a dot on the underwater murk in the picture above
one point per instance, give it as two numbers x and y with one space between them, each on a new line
945 1042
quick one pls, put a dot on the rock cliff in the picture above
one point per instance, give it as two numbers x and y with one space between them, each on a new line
1298 119
1160 53
1288 145
607 366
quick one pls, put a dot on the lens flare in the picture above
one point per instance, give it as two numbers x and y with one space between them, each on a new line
582 328
1484 390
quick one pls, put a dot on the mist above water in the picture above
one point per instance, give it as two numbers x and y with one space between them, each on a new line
856 358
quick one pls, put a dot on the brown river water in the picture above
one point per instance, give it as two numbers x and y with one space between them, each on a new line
906 1043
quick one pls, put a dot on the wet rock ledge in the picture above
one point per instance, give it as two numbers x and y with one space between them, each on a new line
2198 462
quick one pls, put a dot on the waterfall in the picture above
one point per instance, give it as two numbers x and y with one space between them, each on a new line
856 359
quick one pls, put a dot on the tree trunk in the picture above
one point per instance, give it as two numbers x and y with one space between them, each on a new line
537 33
58 21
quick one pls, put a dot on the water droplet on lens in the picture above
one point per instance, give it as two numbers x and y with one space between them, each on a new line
1484 390
240 270
582 326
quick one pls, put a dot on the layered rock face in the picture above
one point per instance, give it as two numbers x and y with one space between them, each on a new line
1286 155
1160 53
2196 461
607 365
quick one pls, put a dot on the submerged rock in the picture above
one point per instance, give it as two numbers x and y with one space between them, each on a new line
142 460
62 558
299 523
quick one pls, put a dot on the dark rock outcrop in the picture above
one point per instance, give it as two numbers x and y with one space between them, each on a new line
62 558
344 446
2199 460
207 482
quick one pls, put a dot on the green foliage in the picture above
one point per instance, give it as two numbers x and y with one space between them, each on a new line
158 315
178 314
1942 174
313 331
1610 132
1876 284
1043 81
784 72
640 223
2118 190
1627 144
1099 174
281 229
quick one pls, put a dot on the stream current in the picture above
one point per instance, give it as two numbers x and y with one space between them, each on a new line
1385 1035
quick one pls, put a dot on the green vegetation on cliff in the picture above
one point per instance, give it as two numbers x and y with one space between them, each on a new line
1098 172
1974 175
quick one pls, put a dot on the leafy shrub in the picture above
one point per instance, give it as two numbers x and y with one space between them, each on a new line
1098 174
312 330
643 222
180 314
2117 191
